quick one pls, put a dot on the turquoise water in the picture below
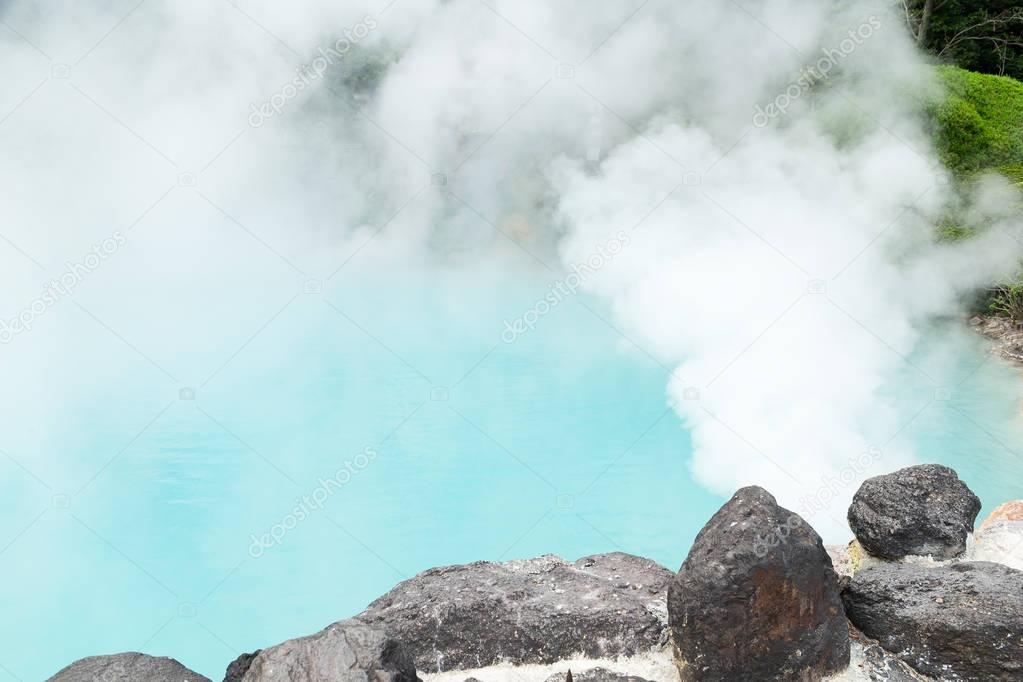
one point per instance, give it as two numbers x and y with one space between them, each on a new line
130 525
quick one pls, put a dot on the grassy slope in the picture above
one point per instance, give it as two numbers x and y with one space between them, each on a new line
979 127
980 123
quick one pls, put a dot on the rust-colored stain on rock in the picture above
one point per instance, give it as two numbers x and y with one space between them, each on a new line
774 599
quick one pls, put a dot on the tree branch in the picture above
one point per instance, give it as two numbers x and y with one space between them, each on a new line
909 19
1007 17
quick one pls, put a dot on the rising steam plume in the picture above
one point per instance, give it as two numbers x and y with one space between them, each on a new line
767 158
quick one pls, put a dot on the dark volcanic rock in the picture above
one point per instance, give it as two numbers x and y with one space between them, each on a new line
757 598
129 667
239 666
596 675
922 510
347 651
960 622
535 611
881 666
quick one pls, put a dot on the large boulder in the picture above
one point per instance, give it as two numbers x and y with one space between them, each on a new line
347 651
533 611
127 667
1000 537
961 621
919 510
757 598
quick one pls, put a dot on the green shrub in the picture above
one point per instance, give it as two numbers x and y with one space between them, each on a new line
979 125
1007 301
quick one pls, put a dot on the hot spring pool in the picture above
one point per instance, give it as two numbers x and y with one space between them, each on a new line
133 514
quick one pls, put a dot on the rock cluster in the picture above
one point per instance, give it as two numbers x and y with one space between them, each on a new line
757 598
951 618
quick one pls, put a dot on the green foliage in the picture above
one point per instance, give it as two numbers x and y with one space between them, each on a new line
980 122
1014 173
1007 300
950 230
978 126
979 129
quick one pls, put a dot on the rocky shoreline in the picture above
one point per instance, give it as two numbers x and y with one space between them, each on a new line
918 595
1006 336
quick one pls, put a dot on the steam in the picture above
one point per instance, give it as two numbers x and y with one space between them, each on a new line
783 268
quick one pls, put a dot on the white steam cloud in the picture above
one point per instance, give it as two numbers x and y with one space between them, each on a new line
767 158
